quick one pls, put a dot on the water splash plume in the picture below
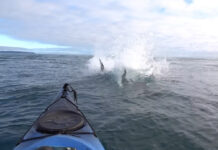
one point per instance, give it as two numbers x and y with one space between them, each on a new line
131 53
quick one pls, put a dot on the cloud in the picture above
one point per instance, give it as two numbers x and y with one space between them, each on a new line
187 24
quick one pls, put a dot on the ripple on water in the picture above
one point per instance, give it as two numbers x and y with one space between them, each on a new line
175 112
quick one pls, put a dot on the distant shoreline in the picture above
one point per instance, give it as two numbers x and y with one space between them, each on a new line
16 52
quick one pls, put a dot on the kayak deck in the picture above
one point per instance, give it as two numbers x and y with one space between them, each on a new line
62 124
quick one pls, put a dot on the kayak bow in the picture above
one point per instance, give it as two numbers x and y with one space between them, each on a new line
61 126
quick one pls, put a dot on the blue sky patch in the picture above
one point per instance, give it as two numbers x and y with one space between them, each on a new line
188 1
12 42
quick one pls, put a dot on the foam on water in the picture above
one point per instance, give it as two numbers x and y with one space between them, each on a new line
131 53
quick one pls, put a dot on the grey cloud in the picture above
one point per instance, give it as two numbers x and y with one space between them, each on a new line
88 22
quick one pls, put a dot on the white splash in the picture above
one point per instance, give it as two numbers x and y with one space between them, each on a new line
133 54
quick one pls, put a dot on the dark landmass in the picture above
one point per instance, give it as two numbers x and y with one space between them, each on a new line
6 48
14 50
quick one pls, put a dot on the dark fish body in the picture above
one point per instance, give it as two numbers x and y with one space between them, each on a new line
102 65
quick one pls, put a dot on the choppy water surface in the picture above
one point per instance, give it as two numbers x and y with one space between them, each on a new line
175 111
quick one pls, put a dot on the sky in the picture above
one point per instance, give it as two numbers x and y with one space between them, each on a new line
8 41
171 25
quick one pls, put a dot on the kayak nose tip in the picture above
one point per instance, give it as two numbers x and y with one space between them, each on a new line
65 86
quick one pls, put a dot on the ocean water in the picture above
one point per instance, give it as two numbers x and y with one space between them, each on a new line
175 111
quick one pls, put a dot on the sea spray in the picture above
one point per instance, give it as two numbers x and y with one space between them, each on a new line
132 53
